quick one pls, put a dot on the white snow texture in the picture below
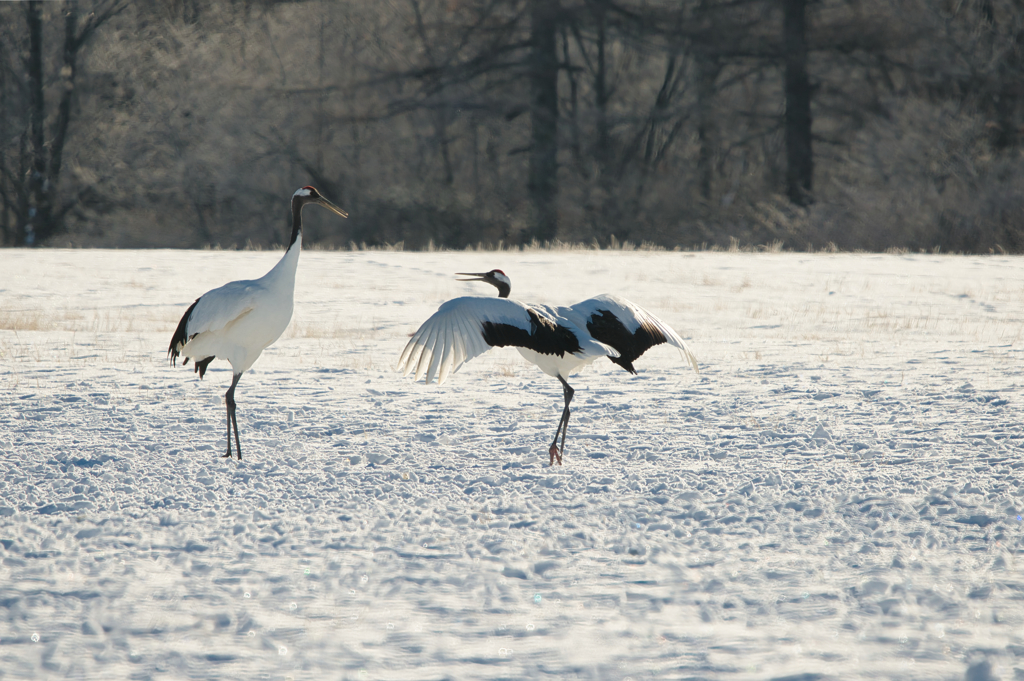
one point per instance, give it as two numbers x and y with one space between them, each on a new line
835 496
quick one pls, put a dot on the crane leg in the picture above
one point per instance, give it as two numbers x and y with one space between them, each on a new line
563 424
229 398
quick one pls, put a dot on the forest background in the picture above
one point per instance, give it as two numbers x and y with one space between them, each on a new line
798 124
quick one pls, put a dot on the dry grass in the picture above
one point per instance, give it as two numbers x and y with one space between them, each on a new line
507 370
559 246
26 320
743 284
556 245
334 330
108 320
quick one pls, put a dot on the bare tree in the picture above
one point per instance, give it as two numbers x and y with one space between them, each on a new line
799 152
31 190
543 182
867 123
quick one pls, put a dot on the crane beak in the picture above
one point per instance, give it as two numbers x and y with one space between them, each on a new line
331 207
476 276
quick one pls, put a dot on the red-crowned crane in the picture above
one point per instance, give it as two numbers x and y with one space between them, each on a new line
559 340
238 321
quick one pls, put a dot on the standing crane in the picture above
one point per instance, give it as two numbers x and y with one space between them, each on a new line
559 340
239 320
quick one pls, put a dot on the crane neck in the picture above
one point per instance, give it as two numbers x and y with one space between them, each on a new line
284 270
297 205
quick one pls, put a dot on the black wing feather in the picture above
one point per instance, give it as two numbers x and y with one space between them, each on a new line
201 366
543 336
180 336
609 329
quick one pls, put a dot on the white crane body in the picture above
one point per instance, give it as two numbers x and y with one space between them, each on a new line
239 320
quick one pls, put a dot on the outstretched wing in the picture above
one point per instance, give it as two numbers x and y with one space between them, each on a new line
464 328
628 328
213 311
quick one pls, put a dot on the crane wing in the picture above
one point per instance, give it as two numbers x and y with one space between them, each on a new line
464 328
628 328
213 311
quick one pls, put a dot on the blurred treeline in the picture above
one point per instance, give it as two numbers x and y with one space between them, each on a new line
863 124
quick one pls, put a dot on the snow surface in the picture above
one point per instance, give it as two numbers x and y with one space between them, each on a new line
835 496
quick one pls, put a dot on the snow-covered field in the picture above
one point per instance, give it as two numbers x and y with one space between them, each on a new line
835 496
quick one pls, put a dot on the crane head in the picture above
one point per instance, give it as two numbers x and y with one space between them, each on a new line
495 278
311 195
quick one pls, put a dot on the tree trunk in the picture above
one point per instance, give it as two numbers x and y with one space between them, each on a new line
36 181
799 155
707 131
601 96
39 213
7 190
543 179
52 223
